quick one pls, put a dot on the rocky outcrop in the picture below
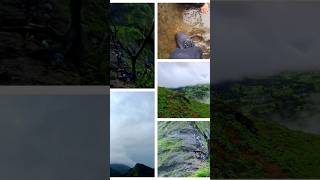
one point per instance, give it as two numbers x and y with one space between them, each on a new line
183 148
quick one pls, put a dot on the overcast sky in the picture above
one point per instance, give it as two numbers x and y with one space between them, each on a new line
264 38
181 74
53 137
132 128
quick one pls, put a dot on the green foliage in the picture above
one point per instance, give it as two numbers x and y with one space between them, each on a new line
248 144
129 36
131 24
202 172
285 93
175 105
200 92
165 146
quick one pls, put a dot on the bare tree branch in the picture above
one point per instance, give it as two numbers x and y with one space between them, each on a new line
145 40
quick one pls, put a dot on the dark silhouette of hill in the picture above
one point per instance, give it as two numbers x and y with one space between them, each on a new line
139 170
120 168
114 173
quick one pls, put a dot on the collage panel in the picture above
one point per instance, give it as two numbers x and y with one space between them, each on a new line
184 31
132 134
183 149
267 90
183 90
53 136
132 45
49 42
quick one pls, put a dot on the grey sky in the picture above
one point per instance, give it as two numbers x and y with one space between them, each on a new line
53 137
178 74
132 128
264 38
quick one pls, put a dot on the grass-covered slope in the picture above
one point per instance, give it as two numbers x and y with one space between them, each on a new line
284 93
200 92
176 105
248 143
183 149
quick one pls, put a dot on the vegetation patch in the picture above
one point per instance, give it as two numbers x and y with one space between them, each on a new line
173 104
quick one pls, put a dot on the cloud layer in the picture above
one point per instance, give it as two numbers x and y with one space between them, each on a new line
180 74
255 38
132 128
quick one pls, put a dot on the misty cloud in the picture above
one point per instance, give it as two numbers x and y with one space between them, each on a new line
264 38
132 128
53 137
306 120
180 74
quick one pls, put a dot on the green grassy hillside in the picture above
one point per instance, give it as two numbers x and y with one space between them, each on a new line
176 105
252 148
200 92
248 143
285 93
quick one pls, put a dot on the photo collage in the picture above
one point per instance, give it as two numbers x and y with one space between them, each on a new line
159 89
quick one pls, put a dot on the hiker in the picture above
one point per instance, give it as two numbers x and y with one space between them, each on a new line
185 48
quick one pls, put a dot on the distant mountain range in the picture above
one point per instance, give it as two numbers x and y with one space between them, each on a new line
200 92
139 170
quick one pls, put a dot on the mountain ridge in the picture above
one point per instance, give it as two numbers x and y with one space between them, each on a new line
139 170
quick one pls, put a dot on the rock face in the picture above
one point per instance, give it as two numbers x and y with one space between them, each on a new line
183 148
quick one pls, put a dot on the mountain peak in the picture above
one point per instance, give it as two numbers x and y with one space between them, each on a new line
140 170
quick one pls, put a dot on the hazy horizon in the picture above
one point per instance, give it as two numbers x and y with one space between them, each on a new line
180 74
132 128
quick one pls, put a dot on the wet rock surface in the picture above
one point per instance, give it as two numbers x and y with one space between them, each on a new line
175 18
183 148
